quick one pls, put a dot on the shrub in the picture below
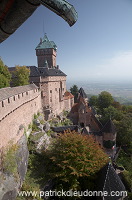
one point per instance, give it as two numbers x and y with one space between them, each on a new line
35 116
30 126
65 113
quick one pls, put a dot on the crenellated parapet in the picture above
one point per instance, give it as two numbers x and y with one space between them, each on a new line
12 98
17 108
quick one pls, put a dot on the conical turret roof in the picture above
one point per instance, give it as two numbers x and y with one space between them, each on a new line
109 127
82 93
109 181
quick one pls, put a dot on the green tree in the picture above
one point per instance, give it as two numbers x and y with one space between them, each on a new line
75 160
20 76
127 109
93 101
74 91
112 113
124 131
105 99
117 105
5 75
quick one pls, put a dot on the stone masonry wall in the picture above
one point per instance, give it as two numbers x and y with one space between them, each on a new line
46 54
53 89
16 113
68 103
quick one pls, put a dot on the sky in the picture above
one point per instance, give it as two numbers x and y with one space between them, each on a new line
97 48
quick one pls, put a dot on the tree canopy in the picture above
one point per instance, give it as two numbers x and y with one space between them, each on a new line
75 159
5 75
105 99
124 128
74 91
107 108
93 101
20 76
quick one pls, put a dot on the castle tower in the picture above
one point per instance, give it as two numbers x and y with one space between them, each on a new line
83 95
46 52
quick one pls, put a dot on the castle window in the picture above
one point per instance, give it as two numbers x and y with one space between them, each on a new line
8 100
50 91
18 96
26 93
22 94
2 103
14 98
50 99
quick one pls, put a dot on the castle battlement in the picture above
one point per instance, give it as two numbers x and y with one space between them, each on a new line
12 98
17 108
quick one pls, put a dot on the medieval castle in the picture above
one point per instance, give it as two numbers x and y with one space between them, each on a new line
47 93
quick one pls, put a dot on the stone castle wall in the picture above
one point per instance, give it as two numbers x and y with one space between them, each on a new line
46 54
68 103
53 89
16 113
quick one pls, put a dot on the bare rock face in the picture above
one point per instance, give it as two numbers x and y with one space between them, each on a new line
60 116
37 122
41 128
46 127
54 135
10 184
43 142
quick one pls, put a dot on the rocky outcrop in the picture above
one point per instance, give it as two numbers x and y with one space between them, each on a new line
10 183
46 127
43 142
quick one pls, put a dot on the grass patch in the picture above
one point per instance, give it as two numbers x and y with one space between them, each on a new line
9 160
35 116
36 137
34 127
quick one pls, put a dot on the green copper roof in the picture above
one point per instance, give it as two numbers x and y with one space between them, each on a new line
45 43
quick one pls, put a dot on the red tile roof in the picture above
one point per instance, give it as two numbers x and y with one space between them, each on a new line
68 95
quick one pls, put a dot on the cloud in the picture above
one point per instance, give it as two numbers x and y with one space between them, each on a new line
118 67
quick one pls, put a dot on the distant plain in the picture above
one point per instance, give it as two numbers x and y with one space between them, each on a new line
122 91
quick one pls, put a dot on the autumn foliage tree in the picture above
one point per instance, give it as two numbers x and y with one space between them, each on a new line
20 76
75 159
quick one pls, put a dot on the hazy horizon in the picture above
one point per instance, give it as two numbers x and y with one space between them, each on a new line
117 89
